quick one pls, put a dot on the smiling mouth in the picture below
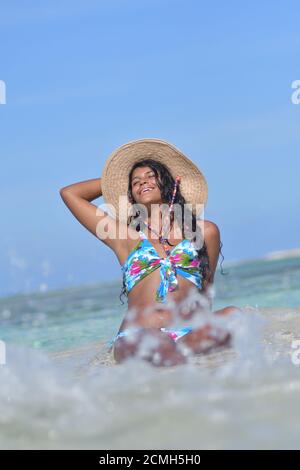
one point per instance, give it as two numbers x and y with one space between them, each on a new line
146 190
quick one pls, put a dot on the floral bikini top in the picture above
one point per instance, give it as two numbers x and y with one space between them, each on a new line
144 259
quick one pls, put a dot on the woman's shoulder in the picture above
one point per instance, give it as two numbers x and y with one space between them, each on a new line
126 239
210 229
128 234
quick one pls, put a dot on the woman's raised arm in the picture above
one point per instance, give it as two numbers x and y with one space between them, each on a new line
78 197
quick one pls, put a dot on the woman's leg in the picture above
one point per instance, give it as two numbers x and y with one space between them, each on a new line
227 310
206 338
163 353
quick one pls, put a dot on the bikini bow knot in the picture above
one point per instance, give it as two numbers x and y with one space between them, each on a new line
168 279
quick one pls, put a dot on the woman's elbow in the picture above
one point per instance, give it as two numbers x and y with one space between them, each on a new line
63 191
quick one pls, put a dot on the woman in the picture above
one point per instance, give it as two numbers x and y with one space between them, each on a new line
162 263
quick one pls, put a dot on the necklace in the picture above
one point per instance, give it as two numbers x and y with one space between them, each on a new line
163 239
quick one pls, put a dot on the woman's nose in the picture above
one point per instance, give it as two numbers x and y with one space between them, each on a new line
144 180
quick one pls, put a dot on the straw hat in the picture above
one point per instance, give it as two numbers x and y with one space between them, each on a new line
114 180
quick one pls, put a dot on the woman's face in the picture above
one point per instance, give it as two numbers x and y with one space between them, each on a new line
144 186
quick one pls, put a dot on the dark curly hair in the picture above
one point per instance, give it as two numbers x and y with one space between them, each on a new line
165 182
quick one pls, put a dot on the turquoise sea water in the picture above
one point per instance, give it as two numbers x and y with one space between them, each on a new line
58 372
60 319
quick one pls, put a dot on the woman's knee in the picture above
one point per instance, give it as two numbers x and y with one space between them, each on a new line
233 309
228 310
123 349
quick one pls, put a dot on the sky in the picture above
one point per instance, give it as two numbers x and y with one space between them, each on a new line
84 77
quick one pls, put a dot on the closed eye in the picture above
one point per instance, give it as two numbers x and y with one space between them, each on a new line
152 175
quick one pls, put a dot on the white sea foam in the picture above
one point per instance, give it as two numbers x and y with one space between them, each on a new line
282 254
244 397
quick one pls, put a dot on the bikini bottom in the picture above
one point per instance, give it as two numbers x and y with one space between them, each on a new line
175 334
